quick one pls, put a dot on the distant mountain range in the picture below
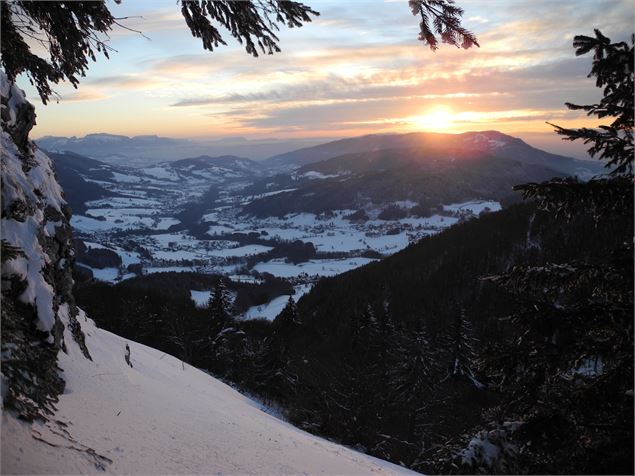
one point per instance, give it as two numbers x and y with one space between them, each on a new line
370 172
140 151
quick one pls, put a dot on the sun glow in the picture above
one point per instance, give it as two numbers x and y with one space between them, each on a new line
436 119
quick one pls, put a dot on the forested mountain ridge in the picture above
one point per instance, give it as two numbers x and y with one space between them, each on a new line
426 177
493 143
437 293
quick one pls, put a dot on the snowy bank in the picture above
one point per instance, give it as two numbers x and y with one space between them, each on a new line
162 416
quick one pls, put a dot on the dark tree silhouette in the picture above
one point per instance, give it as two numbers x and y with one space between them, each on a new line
462 353
219 308
613 70
566 372
442 17
288 316
72 32
413 374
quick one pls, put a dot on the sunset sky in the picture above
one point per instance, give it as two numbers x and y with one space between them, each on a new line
356 69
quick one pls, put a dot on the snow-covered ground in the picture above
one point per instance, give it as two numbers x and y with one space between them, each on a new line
148 201
270 310
314 267
200 298
162 417
334 233
474 207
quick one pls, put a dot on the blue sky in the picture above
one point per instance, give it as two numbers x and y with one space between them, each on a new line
357 69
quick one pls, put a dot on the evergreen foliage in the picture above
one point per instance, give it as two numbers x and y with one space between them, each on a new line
71 32
252 23
463 355
443 18
288 316
565 373
613 70
219 308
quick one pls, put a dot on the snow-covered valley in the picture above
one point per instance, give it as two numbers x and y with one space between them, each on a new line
142 223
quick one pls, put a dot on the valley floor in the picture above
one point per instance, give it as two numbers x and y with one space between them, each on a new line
162 416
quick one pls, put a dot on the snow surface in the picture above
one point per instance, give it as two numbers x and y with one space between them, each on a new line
200 298
318 267
163 417
474 207
270 310
37 188
168 269
246 250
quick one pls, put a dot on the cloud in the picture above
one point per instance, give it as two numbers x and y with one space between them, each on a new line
84 95
359 66
126 81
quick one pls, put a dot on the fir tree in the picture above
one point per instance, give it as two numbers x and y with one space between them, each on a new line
613 143
566 370
613 70
219 309
413 375
443 18
462 353
288 317
364 333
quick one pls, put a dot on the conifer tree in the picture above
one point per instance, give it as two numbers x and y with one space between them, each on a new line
463 355
219 309
613 70
288 317
364 332
566 370
613 143
413 375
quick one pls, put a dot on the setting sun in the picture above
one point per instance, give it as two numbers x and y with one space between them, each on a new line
435 119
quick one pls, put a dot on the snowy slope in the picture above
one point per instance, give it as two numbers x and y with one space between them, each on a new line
161 417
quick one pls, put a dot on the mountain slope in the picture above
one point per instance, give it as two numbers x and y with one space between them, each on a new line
427 177
226 161
162 416
356 327
492 143
78 176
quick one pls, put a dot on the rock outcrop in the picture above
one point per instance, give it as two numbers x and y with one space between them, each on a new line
37 259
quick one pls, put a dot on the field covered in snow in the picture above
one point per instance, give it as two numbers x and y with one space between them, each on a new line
142 225
162 416
341 244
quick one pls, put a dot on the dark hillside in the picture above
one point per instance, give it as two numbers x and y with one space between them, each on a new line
429 303
427 178
71 169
